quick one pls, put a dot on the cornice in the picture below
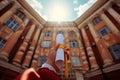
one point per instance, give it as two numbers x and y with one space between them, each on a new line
31 11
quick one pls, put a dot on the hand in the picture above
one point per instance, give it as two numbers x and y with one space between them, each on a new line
28 74
52 56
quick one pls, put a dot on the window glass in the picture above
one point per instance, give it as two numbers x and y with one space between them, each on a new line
103 31
115 51
11 23
74 44
45 44
20 15
96 20
48 34
2 43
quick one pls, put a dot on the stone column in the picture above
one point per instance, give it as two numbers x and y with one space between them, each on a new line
89 50
103 50
82 54
31 49
115 15
35 58
84 59
3 4
107 59
54 33
66 39
92 30
40 40
19 55
26 21
4 54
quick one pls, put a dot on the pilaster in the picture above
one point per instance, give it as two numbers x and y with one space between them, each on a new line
31 49
115 15
103 51
89 50
21 51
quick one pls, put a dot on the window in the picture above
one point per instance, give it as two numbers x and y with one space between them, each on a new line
20 15
2 43
11 23
103 31
96 20
48 34
60 32
42 60
74 44
45 44
71 33
76 61
115 51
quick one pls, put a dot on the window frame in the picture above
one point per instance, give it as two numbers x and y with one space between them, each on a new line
48 34
20 14
12 24
113 53
105 29
96 20
45 44
73 44
2 43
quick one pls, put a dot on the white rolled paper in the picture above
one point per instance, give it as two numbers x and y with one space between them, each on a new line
60 54
59 60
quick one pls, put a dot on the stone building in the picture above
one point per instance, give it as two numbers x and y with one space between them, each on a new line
93 39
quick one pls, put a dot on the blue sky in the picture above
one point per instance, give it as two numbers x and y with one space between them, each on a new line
60 10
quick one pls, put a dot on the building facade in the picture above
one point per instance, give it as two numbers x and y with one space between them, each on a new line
93 40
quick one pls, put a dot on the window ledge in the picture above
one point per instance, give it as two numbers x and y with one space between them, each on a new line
106 37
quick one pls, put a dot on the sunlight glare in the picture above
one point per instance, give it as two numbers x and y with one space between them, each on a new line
58 13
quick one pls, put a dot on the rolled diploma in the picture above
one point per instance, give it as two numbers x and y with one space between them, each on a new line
59 60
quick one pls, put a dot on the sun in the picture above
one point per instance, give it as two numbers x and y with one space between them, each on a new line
58 13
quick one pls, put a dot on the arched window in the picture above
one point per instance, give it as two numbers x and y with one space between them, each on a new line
96 20
20 14
48 34
73 44
71 33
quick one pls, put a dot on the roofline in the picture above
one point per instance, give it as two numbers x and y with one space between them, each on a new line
78 21
32 11
90 11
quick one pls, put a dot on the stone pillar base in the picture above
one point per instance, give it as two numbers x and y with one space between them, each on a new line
94 67
25 66
4 56
107 63
16 63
